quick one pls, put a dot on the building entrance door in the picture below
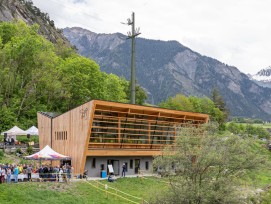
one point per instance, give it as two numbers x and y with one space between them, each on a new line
137 166
115 165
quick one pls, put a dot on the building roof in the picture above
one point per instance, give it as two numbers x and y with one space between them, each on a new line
50 114
121 105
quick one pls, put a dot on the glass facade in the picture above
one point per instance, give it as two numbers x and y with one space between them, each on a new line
133 128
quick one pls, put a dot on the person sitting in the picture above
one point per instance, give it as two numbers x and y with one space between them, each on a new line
85 175
111 178
12 141
6 141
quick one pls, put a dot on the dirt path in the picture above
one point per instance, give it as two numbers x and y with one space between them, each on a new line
15 159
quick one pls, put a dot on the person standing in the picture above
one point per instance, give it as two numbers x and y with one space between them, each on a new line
15 173
8 175
45 173
1 174
68 170
60 175
72 170
123 170
29 171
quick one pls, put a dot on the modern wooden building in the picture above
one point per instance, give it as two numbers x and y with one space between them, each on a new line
99 133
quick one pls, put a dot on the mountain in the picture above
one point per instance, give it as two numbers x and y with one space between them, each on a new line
27 12
165 68
263 77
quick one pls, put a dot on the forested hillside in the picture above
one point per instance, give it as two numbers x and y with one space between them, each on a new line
37 75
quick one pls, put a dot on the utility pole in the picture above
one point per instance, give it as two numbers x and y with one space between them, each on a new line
132 35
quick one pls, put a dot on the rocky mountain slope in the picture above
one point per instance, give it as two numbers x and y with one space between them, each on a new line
262 77
165 68
26 11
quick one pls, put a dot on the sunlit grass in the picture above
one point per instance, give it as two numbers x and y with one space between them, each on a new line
79 191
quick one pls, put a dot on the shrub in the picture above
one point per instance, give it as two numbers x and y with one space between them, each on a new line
1 154
18 150
29 150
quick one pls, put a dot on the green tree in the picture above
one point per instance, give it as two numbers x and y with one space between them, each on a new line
234 128
81 80
195 104
179 102
205 167
219 103
141 95
37 75
114 88
27 66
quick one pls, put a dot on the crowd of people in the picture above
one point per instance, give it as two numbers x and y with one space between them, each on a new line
10 172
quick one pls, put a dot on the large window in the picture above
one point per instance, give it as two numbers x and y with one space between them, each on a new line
116 127
93 163
147 165
131 164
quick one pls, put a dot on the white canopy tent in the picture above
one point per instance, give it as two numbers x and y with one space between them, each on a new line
47 154
14 131
33 131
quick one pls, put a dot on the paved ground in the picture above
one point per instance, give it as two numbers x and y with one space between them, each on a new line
118 177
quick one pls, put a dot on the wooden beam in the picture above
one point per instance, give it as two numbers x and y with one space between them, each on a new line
119 125
123 153
88 137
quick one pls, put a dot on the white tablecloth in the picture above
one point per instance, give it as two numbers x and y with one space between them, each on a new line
24 176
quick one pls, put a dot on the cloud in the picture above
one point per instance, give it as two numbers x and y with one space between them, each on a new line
79 1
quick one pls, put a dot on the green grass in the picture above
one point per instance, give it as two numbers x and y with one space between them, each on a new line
265 125
82 192
260 178
79 192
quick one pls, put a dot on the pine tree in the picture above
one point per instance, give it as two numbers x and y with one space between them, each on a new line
220 103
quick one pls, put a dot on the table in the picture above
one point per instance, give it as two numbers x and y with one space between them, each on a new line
24 176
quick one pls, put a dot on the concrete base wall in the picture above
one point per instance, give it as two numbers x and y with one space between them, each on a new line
94 165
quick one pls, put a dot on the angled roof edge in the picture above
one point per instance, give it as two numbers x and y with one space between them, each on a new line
154 107
54 114
49 114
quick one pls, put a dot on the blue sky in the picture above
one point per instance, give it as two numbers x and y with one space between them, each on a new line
236 32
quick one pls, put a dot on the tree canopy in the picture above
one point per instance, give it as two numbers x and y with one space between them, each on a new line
205 167
37 75
195 104
248 130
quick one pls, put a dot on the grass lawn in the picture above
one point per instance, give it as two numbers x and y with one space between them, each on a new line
86 192
80 191
265 125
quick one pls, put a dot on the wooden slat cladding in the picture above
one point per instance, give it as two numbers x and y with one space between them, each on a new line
125 153
70 131
75 123
100 128
44 126
137 127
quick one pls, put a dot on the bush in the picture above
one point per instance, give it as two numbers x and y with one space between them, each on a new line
1 154
29 150
18 150
24 139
